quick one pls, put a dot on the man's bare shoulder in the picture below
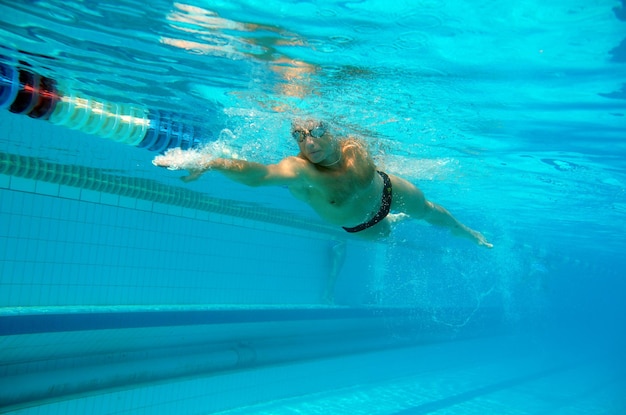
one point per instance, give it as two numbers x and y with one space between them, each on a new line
357 154
295 164
294 161
292 167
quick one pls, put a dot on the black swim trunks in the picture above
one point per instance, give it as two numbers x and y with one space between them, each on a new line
385 206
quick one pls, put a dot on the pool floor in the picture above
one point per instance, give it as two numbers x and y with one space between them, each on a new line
506 385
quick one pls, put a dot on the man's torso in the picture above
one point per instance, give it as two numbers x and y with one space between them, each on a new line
346 196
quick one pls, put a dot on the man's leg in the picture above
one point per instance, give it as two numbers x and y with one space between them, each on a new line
409 199
337 259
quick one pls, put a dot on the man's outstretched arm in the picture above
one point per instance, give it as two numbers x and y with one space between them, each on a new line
286 172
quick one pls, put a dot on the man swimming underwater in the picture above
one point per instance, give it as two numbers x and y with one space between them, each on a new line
337 178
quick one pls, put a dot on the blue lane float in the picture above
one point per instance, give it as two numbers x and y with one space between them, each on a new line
27 93
9 82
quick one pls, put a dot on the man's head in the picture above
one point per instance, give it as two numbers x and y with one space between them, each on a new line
315 142
311 127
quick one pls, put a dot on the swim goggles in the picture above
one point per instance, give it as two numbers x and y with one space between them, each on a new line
316 132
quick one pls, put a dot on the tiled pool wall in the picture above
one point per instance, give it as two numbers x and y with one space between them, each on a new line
78 235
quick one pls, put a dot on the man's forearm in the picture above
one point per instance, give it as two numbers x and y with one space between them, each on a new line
242 171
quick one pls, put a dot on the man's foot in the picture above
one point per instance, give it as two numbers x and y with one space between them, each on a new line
481 240
329 298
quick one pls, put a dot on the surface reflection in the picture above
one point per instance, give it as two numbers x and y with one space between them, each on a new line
205 32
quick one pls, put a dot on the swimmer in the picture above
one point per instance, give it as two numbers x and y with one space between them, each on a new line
336 177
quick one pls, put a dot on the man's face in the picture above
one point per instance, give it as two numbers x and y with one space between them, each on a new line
313 140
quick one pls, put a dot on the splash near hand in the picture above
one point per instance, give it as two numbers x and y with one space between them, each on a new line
194 161
178 159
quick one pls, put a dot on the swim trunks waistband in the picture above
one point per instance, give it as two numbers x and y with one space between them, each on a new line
385 206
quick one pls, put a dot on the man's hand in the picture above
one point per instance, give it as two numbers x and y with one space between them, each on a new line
191 160
178 159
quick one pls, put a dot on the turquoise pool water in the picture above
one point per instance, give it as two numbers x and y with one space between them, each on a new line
125 290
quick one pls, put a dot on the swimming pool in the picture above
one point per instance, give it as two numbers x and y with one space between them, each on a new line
125 290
